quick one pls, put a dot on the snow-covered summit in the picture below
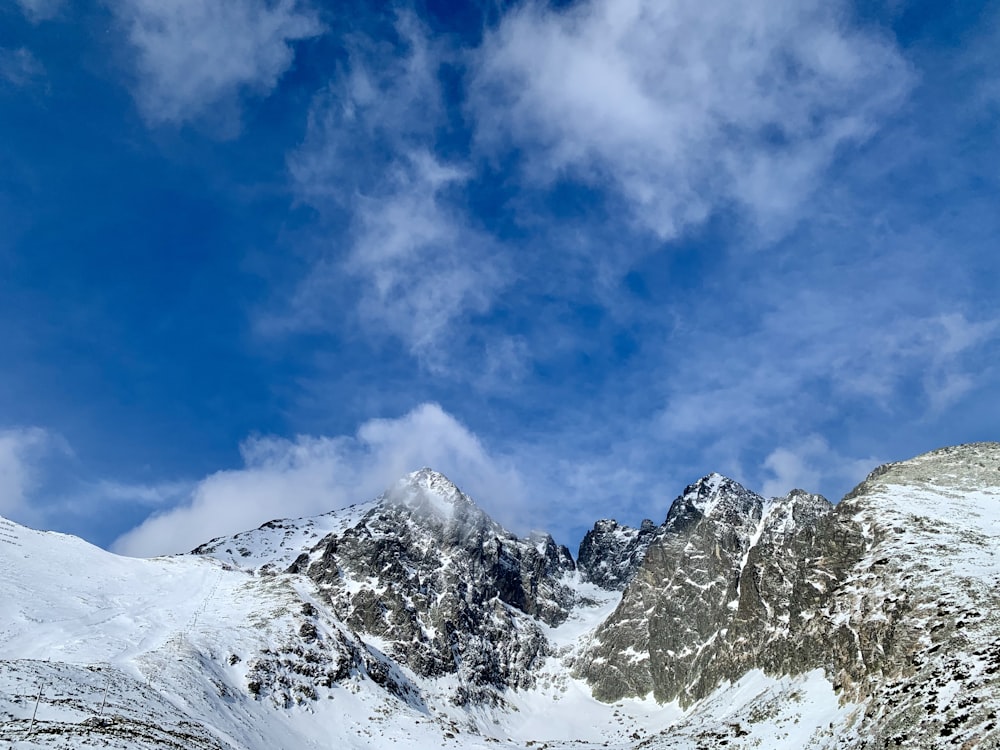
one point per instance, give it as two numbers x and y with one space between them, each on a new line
715 497
429 493
429 480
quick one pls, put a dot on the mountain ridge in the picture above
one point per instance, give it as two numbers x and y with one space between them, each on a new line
416 617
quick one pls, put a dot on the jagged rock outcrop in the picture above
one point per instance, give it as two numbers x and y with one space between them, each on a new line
894 593
783 582
680 598
445 588
610 554
733 582
914 626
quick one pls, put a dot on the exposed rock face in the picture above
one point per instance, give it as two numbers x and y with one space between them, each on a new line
681 596
895 594
801 552
611 554
734 582
445 588
916 622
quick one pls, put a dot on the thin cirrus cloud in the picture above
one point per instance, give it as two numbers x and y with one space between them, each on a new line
312 475
195 59
685 107
814 348
40 10
19 67
807 364
28 457
423 265
810 463
40 482
19 453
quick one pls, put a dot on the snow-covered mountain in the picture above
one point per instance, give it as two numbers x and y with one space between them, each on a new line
417 620
438 585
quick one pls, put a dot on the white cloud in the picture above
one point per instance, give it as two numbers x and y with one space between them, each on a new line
40 10
20 67
40 483
196 58
423 268
810 464
385 104
807 349
311 475
859 370
931 348
21 451
685 107
107 490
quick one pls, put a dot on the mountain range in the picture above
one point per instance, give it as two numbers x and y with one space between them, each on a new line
416 620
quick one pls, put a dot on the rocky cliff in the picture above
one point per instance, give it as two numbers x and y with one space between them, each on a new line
894 594
444 588
610 554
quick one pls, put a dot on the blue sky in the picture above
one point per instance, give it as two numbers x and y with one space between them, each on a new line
259 258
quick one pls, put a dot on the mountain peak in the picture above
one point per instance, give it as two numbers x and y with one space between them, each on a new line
610 554
716 494
428 477
429 492
706 492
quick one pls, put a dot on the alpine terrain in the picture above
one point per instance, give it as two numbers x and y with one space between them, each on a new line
415 620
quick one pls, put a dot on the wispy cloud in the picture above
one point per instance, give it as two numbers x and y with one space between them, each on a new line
42 484
40 10
981 65
670 113
311 475
383 104
809 464
812 365
195 59
421 268
686 108
420 264
107 492
22 453
19 67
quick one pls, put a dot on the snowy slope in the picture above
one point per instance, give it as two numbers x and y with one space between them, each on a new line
275 545
923 604
160 636
224 650
176 643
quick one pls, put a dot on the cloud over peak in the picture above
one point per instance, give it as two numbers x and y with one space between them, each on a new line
311 475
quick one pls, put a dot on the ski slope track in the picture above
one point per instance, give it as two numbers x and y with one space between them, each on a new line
415 620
